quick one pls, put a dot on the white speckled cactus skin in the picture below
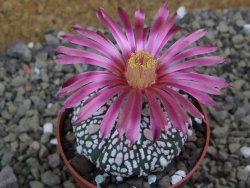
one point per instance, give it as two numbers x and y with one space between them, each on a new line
116 156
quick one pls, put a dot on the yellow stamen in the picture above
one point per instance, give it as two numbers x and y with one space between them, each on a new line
141 70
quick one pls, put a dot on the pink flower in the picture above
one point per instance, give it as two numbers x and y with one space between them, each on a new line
137 69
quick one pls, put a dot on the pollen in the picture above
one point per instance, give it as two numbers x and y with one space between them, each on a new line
141 69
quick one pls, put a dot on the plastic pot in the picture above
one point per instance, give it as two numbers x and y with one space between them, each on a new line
84 183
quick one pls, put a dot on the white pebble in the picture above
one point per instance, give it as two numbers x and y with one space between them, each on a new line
247 28
175 179
247 168
181 173
181 12
48 128
53 141
37 70
99 179
245 151
30 44
49 105
151 179
189 132
198 120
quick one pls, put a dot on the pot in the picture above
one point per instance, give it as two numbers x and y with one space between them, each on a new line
84 183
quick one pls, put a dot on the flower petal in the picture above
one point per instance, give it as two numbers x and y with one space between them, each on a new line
181 44
157 24
199 95
173 111
128 27
202 61
157 119
134 121
197 50
116 31
163 32
111 115
139 27
156 50
82 79
78 96
95 60
113 52
187 105
75 39
202 78
192 85
95 102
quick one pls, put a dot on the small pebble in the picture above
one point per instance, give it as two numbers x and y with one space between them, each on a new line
181 11
53 141
48 128
245 151
175 179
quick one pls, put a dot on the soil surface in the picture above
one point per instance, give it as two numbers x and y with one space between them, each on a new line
28 19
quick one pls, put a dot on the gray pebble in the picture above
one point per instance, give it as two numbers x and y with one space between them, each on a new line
234 147
49 178
242 174
2 89
68 184
54 160
19 50
36 184
8 178
18 81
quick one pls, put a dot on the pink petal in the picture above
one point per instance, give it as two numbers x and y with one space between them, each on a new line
128 27
192 85
198 50
111 115
181 44
134 121
113 53
82 79
80 94
187 105
157 119
202 61
161 43
116 31
157 24
199 95
202 78
96 101
97 61
139 27
124 114
172 112
177 106
163 32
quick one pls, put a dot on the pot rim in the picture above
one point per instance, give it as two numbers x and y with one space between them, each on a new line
79 178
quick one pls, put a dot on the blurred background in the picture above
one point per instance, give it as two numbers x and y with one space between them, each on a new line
29 19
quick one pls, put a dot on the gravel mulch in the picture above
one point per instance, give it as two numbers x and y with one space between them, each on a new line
29 79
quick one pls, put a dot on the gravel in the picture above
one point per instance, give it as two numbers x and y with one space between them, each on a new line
29 79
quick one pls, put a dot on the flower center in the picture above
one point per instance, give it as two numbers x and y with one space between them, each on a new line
141 70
